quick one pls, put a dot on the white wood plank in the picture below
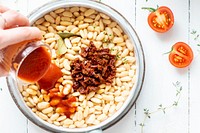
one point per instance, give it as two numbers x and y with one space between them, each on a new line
22 6
11 119
125 125
32 128
18 5
160 73
33 4
10 115
15 117
12 4
126 9
194 71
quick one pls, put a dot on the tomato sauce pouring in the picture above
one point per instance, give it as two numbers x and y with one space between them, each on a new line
37 67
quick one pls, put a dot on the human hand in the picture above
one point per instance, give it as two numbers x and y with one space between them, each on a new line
14 28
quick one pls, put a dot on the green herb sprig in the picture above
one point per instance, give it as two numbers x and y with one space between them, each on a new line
124 60
118 56
196 37
147 113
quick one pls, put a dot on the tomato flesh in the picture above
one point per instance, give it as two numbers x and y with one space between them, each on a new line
161 20
181 55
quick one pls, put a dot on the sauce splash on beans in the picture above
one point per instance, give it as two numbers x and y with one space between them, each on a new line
64 104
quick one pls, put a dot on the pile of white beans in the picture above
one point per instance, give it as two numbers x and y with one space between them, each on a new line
92 25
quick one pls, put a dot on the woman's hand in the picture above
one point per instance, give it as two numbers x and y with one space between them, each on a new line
14 28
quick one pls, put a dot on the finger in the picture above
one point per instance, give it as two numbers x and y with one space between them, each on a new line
3 9
14 19
17 35
2 22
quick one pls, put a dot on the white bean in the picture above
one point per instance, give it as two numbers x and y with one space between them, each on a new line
118 40
89 12
49 18
67 89
70 56
68 121
43 116
101 117
86 112
60 28
61 118
125 53
106 108
107 97
104 16
67 14
82 26
80 115
47 110
49 35
60 10
31 91
119 99
100 36
129 45
91 119
54 116
95 100
125 79
79 123
40 21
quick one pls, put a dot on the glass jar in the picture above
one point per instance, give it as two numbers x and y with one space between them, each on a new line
24 60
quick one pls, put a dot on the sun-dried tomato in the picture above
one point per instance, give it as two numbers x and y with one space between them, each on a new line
97 68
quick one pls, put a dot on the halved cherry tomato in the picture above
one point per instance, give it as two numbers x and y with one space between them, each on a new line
181 55
160 19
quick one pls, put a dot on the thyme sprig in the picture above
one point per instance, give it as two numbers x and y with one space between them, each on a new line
196 37
124 60
148 113
118 56
112 49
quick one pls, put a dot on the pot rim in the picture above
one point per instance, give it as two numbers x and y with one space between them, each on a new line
140 70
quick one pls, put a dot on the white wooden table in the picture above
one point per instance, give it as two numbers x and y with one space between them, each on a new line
160 74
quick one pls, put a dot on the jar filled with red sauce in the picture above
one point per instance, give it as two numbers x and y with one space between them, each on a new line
32 67
30 62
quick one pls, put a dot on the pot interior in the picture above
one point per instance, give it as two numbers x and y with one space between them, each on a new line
15 86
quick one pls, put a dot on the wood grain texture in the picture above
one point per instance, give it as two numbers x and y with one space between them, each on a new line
160 74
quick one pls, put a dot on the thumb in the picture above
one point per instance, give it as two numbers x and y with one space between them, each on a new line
17 35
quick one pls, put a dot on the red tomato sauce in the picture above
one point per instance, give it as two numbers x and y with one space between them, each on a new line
35 65
64 104
48 81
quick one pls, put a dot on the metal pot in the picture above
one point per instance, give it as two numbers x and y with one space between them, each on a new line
14 86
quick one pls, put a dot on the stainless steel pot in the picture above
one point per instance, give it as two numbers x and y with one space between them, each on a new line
14 86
